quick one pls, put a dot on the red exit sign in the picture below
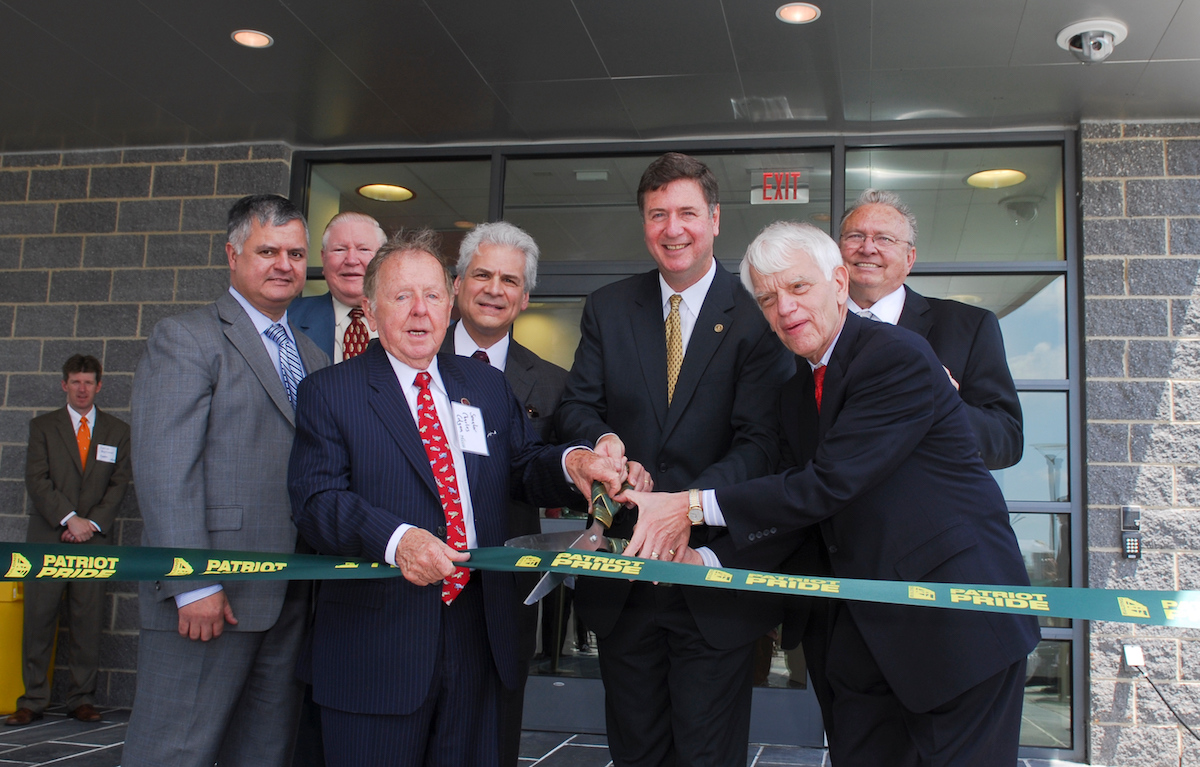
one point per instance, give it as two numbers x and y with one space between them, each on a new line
780 186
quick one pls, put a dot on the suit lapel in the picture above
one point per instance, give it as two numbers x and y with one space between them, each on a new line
915 315
650 341
62 425
241 333
519 371
456 391
715 312
835 374
388 402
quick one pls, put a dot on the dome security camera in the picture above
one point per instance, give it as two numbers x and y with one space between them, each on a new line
1092 41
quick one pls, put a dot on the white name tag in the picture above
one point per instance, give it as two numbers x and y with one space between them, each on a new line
472 437
106 453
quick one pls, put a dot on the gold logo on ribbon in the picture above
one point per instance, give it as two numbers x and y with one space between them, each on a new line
1132 609
920 592
19 568
346 566
180 567
719 576
529 560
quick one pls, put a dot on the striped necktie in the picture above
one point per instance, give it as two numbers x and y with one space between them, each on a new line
291 371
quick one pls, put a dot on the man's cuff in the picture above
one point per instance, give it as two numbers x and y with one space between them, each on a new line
187 597
389 554
567 474
712 511
710 559
63 521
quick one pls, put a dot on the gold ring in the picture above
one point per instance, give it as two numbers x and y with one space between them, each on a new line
654 555
671 552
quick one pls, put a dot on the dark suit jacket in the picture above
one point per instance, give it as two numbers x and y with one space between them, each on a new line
358 470
720 428
968 342
899 492
58 485
313 316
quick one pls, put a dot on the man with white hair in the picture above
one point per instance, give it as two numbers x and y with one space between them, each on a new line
334 320
886 478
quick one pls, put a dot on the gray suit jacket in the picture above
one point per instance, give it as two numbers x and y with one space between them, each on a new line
212 432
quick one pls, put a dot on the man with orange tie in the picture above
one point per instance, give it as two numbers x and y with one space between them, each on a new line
76 472
334 320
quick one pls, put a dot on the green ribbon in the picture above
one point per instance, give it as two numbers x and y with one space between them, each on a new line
32 561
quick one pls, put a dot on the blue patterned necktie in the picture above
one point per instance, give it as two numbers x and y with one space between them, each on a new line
290 369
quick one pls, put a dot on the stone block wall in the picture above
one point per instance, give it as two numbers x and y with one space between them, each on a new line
1141 240
95 248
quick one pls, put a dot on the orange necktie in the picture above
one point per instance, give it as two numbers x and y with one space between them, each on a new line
84 438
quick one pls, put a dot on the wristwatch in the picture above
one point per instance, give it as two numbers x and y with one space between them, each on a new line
695 510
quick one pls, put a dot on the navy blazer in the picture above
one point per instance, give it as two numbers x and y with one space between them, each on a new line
313 315
720 427
890 471
968 342
358 470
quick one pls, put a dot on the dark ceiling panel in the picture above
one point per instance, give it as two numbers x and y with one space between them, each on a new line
763 43
691 104
570 109
521 40
1179 40
944 33
667 37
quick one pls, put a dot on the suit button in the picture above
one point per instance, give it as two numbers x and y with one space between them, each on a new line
441 531
773 531
833 549
662 467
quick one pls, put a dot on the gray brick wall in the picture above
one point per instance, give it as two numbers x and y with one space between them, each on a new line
95 247
1141 239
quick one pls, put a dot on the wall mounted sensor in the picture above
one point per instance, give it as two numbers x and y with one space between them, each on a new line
1092 41
1131 532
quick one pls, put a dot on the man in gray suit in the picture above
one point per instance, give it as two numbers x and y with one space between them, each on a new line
213 420
497 267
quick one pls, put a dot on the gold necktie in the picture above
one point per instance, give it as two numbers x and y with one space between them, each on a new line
674 347
84 438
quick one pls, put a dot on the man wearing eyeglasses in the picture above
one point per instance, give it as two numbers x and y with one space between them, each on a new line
879 246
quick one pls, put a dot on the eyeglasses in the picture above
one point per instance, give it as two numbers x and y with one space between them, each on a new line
882 241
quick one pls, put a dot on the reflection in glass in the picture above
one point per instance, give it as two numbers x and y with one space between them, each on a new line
1046 716
957 222
585 208
1042 474
550 329
1033 315
1045 541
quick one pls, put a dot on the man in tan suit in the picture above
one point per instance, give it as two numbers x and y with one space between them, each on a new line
76 472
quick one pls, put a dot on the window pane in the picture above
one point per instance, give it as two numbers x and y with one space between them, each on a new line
550 329
1045 541
1042 474
1033 315
585 209
1046 716
958 222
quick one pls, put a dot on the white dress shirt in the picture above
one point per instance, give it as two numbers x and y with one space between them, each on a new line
465 346
76 419
886 309
689 307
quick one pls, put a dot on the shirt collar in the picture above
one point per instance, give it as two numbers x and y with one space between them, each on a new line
260 320
406 374
465 346
693 296
887 309
91 416
828 352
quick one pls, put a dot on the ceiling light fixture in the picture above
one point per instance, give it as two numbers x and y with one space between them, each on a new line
464 224
252 38
798 13
996 178
385 192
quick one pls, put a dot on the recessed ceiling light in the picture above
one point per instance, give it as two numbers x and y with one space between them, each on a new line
591 175
465 224
798 13
966 298
996 178
385 192
824 218
252 38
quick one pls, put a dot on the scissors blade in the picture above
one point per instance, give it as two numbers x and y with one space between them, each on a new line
560 541
544 586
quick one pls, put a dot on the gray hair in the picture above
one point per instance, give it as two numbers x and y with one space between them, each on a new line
890 199
267 210
352 215
401 245
774 250
506 235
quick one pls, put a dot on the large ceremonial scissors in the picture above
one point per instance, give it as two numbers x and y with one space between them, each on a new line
593 538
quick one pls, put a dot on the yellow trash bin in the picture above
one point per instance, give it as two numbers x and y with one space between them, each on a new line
12 616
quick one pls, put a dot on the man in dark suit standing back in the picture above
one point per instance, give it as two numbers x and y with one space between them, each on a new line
334 320
879 246
76 473
885 475
497 269
678 369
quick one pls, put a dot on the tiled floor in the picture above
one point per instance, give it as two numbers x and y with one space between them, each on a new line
63 742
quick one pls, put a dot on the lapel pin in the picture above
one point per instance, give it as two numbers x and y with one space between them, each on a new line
532 411
719 328
465 401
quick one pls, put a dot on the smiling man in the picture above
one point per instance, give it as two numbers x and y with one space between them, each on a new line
883 481
213 416
679 366
335 319
497 268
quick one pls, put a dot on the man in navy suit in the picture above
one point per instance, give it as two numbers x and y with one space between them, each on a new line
879 246
497 267
886 477
408 670
677 662
334 319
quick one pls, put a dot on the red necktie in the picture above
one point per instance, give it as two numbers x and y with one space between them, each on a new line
440 459
83 438
481 355
354 342
819 381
